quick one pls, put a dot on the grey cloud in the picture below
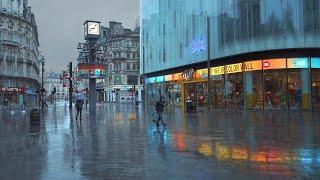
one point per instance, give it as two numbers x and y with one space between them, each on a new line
60 24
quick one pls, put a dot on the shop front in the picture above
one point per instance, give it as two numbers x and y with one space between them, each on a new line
195 87
190 85
12 96
268 84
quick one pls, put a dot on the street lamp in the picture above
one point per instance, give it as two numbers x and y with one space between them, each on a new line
42 83
42 71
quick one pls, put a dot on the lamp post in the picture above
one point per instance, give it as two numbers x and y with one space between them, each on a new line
70 85
209 65
42 82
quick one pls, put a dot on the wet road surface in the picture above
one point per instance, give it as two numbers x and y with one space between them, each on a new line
123 143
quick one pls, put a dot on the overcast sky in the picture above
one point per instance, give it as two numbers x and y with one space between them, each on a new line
60 24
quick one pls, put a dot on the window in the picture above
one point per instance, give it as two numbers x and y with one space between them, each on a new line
19 27
10 24
128 66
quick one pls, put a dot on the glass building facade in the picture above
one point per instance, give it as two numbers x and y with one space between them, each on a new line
263 53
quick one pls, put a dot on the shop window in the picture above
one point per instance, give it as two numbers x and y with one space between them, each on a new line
218 91
190 93
315 74
253 90
299 83
275 86
253 85
234 90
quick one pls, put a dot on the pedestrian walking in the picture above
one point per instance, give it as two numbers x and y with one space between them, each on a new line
159 107
79 104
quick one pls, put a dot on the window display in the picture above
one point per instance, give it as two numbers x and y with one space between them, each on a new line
271 84
218 89
275 86
316 89
253 90
234 90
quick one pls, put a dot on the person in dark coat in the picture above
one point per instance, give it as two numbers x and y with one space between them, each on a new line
159 107
79 104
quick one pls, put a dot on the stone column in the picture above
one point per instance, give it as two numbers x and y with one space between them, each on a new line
139 94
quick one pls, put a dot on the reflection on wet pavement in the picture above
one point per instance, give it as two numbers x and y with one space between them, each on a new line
123 143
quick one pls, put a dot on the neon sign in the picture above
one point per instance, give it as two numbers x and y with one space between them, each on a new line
91 71
198 45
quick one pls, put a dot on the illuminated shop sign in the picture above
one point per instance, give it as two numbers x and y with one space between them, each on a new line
151 80
188 74
215 71
91 71
298 63
202 73
168 78
315 62
253 66
274 64
12 90
234 68
198 45
228 69
159 79
177 77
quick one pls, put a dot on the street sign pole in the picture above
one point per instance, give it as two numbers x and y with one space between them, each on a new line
70 85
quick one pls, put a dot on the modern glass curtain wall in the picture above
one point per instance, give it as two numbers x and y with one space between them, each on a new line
174 32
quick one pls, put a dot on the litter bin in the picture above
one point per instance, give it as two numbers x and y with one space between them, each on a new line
35 117
190 106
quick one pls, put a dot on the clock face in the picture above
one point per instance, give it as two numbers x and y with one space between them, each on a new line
93 28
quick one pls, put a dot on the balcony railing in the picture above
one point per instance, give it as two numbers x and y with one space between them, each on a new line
10 43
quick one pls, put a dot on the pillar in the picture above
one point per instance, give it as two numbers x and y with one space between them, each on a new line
139 94
92 97
249 98
305 89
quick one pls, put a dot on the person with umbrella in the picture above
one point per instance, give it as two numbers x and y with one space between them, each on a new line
80 99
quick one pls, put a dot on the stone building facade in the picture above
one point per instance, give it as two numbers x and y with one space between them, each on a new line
19 54
123 63
53 82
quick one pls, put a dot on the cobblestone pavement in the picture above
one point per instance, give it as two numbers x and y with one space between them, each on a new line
123 143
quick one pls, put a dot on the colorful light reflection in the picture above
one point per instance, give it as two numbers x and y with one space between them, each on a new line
206 150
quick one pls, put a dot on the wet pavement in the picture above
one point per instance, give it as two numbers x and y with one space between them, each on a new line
123 143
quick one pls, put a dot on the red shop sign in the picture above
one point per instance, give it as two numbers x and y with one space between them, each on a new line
12 90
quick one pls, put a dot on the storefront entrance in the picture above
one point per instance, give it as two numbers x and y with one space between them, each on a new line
197 93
